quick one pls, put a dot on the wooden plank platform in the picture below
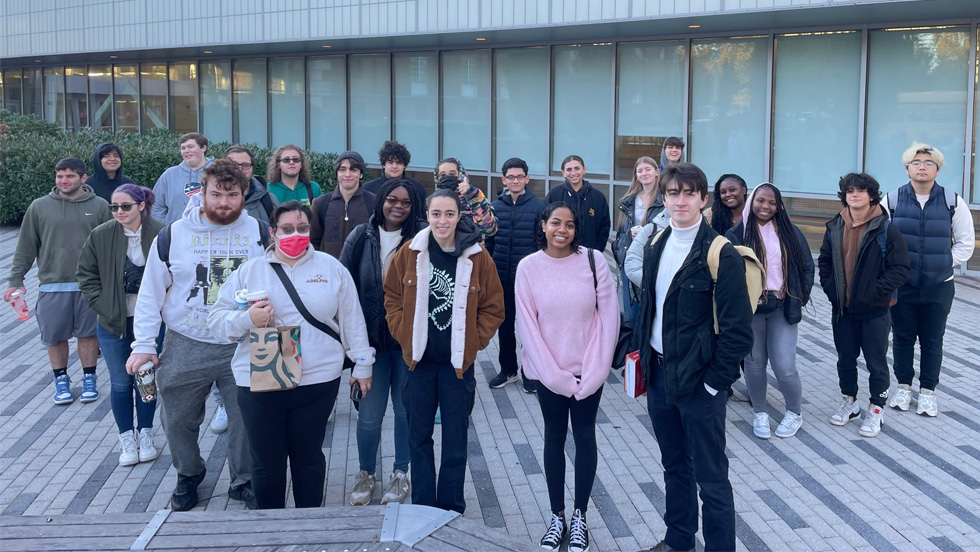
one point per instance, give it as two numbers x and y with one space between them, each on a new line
340 529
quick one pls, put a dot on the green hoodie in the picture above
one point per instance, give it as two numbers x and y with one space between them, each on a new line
53 232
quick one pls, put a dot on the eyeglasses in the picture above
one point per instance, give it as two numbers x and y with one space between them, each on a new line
244 166
290 160
928 162
289 228
126 207
393 201
515 178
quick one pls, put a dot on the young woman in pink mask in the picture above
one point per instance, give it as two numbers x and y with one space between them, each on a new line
291 423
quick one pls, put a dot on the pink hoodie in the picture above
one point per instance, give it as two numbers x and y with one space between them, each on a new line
770 239
564 337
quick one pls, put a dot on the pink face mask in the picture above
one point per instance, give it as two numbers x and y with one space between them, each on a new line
293 245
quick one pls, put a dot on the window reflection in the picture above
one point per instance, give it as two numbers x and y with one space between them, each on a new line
216 100
328 103
183 97
126 98
287 100
416 107
250 102
153 95
465 125
522 103
100 97
76 97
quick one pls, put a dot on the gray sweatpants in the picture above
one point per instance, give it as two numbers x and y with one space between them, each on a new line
187 369
775 344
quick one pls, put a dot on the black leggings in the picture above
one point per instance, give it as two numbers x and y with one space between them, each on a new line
291 424
556 410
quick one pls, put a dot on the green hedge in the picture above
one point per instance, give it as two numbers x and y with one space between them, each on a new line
31 148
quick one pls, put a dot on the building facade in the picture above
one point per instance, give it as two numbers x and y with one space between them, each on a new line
793 92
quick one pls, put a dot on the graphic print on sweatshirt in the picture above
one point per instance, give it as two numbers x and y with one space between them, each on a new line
209 278
441 285
192 188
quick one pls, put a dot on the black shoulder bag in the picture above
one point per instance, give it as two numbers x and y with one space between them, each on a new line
291 290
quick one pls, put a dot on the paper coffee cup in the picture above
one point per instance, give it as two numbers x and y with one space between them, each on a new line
241 299
255 296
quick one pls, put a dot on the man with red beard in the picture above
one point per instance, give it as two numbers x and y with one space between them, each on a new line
188 262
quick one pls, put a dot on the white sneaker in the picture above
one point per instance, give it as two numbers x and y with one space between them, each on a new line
148 452
760 425
846 411
220 422
790 425
927 403
398 488
902 398
363 489
871 426
127 444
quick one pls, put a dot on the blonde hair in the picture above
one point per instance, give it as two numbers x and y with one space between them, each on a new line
635 186
274 174
916 148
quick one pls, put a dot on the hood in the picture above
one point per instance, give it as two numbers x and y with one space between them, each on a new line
97 171
586 185
663 158
256 189
87 194
195 218
185 168
467 235
748 208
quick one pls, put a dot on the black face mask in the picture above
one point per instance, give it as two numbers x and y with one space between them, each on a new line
448 183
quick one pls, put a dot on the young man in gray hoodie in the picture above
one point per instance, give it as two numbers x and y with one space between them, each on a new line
177 184
54 229
180 283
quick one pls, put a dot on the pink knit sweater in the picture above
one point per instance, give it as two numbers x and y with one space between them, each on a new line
564 338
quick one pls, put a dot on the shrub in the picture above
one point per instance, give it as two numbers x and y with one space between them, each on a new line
32 147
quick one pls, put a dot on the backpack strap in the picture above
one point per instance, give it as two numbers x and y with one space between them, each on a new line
892 202
595 278
882 239
309 191
266 202
714 259
163 245
263 234
951 198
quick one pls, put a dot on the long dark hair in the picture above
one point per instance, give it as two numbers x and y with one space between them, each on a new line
789 247
541 240
416 217
721 215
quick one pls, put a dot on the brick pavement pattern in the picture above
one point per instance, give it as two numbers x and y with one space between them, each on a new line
914 488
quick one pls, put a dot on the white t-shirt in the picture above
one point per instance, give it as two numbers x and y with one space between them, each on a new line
134 252
389 245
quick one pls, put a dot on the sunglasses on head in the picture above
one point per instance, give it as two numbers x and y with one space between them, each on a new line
124 206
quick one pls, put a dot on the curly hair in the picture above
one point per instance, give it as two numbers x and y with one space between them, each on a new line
226 175
274 174
859 181
721 216
393 151
541 241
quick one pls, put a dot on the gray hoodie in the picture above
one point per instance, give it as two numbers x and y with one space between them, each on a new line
174 187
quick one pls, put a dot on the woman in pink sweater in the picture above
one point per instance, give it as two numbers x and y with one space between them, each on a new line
568 324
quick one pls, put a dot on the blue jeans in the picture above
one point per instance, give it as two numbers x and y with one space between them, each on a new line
123 394
389 373
431 385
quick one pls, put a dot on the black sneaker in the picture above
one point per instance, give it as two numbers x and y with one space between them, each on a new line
530 386
502 379
185 495
578 533
556 533
244 493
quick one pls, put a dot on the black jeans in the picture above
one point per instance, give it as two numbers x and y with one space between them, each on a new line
921 313
854 336
691 436
556 410
431 385
506 340
288 424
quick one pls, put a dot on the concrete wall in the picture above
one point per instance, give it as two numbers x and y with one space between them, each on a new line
48 27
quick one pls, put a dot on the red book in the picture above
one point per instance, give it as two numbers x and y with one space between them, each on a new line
633 381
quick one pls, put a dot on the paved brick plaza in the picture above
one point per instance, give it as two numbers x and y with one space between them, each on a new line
915 487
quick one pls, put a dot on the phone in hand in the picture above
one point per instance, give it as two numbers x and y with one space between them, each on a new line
355 392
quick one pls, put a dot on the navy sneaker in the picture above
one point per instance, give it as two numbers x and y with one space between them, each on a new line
62 390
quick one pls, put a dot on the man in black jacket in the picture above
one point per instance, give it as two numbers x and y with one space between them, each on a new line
688 367
518 214
863 260
394 157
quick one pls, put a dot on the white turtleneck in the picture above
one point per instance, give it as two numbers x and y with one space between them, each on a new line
676 249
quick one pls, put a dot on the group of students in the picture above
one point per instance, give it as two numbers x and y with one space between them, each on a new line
407 289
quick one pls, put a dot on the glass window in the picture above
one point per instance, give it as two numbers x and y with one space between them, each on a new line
976 126
287 101
216 101
12 89
650 101
251 121
1 89
328 103
54 95
521 108
153 95
916 92
728 107
126 89
183 97
465 130
370 102
582 121
32 92
100 97
416 107
817 97
76 97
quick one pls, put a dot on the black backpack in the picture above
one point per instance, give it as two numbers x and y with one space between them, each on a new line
163 241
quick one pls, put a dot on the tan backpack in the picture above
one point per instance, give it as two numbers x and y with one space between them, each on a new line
755 273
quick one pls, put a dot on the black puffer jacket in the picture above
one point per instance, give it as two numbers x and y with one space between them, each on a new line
517 223
361 256
798 293
591 210
873 282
